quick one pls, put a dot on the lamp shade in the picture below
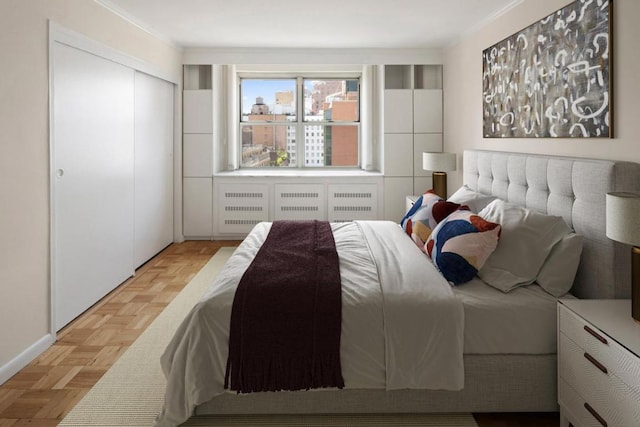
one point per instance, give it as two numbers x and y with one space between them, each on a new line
439 162
623 218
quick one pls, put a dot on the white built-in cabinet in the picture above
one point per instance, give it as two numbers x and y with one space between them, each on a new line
412 125
111 177
243 202
197 152
299 201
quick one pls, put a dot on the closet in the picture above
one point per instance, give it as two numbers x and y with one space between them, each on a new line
111 172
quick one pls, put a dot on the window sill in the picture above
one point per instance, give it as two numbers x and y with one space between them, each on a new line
299 173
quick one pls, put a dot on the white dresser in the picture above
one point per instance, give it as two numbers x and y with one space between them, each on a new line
598 363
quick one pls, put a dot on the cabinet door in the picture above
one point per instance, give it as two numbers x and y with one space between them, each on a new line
300 201
197 214
398 154
396 191
92 179
197 111
240 206
348 202
427 111
422 184
398 111
424 142
153 166
197 154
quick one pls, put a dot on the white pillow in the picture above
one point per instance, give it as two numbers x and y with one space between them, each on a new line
559 269
526 241
466 196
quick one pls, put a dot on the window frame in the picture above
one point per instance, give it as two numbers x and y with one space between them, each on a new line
301 122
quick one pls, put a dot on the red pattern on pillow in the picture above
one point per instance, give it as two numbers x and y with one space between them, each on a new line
425 214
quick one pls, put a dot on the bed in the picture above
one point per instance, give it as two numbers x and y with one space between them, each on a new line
506 341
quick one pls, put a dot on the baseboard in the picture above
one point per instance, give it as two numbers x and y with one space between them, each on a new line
23 359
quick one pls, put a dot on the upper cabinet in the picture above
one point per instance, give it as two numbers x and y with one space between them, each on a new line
427 110
197 99
427 98
398 111
413 99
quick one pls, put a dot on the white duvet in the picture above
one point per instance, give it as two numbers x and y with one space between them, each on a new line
402 326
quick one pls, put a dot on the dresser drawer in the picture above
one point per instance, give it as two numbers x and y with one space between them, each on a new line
607 394
618 360
572 406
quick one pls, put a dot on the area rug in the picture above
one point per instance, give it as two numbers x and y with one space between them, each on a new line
131 392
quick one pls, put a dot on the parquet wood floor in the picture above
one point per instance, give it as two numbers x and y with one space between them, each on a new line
42 393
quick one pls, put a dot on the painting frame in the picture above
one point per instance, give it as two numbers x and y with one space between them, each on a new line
553 78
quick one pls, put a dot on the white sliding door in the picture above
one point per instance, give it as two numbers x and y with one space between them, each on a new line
153 166
93 175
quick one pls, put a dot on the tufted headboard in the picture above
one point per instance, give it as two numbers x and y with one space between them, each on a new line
574 189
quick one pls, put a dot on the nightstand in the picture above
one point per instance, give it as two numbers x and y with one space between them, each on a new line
598 363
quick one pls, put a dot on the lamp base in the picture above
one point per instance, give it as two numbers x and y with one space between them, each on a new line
635 283
440 183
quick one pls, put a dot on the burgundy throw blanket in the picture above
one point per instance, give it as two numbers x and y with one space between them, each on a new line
287 313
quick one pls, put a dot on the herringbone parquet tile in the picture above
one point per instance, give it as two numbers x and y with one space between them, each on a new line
42 393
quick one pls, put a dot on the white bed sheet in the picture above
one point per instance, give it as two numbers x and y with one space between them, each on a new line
522 321
402 326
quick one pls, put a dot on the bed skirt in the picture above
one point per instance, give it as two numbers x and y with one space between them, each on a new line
493 383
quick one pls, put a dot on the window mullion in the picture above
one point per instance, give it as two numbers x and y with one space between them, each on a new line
300 123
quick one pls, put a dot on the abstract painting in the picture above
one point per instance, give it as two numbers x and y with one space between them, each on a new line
552 79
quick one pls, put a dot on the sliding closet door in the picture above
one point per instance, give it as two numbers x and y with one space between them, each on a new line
92 174
153 166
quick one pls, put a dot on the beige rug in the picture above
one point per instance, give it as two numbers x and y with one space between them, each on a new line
131 393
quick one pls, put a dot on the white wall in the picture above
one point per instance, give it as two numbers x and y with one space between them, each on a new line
311 56
24 150
463 89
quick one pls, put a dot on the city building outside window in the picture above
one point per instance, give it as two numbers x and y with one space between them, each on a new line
325 112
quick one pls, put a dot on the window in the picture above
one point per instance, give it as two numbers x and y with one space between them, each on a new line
325 112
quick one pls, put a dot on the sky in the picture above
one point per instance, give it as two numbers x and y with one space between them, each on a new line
251 89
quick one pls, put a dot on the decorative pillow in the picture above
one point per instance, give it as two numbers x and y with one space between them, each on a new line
460 245
527 240
424 215
559 269
466 196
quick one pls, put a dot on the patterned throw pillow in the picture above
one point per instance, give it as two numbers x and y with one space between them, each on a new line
424 215
460 245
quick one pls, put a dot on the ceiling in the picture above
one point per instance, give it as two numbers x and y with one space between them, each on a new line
306 24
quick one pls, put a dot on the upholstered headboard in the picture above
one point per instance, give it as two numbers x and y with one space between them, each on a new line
574 189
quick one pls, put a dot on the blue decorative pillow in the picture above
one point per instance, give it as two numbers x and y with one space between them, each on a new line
460 245
424 215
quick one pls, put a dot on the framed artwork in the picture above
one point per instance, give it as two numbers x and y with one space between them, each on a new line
553 79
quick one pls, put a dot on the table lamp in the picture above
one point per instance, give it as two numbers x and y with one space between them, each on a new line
623 225
440 164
